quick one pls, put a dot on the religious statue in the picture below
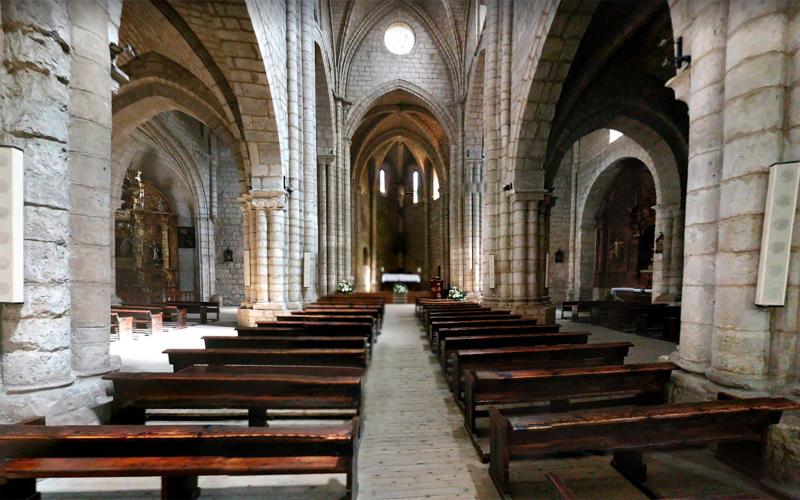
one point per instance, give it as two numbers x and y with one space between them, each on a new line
158 254
126 246
616 248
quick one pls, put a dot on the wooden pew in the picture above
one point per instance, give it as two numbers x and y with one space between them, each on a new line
315 370
738 426
324 318
450 344
467 306
134 393
203 308
177 453
351 311
181 358
145 322
173 316
450 325
326 329
121 328
437 321
550 350
613 384
284 342
470 331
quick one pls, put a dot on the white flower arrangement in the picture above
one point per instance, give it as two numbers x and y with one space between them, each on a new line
456 294
400 289
344 286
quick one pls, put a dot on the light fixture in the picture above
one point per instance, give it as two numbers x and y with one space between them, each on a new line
680 58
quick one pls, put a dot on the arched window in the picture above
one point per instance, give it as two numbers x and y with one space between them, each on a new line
382 181
435 186
415 186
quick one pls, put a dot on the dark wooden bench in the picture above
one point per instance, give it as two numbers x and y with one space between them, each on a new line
550 350
608 384
181 358
438 326
284 342
342 311
449 344
121 327
145 322
427 312
436 321
316 370
325 318
176 453
203 308
572 306
471 331
737 426
173 316
134 393
310 329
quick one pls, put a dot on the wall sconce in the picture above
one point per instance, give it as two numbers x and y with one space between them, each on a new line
680 58
508 187
659 244
559 256
227 255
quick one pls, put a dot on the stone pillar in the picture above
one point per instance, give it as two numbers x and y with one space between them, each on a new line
247 249
348 216
90 181
676 253
704 92
753 140
206 253
322 214
35 71
519 249
265 239
662 261
310 222
330 240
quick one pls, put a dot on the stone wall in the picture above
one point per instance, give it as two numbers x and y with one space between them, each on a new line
228 232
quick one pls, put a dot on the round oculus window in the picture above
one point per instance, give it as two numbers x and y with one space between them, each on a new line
399 38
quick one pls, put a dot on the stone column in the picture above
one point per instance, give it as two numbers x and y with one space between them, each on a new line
662 261
347 214
247 251
35 71
330 239
519 249
265 238
322 211
704 92
754 116
676 253
90 181
310 222
206 257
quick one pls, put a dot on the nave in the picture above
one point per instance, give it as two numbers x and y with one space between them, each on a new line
414 444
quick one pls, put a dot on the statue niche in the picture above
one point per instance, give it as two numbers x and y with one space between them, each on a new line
626 231
145 242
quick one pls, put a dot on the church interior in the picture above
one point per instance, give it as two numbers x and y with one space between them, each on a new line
306 249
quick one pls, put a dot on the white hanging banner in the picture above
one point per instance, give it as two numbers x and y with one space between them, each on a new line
776 237
12 262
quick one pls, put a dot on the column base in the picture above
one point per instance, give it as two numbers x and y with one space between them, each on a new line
782 461
83 402
544 312
249 315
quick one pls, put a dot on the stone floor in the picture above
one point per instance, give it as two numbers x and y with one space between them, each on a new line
414 445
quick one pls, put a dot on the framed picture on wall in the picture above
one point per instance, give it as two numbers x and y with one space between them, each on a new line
186 237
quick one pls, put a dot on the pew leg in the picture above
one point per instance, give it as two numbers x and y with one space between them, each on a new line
203 316
498 459
128 416
631 465
19 489
744 456
179 487
257 417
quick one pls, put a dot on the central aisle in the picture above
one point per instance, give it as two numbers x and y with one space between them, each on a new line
414 443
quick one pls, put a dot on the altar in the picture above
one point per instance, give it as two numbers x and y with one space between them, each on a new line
403 278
